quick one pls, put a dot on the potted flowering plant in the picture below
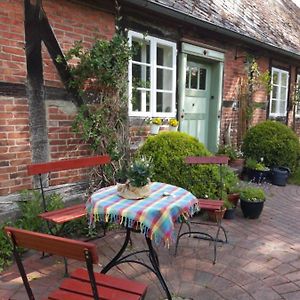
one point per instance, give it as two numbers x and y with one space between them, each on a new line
252 201
155 125
137 185
173 124
257 171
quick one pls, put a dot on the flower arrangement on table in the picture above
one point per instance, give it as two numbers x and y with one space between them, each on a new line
139 175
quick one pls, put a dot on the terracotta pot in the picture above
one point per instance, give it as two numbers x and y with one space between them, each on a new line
234 198
216 215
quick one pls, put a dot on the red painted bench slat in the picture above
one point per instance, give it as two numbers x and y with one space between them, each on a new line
67 164
110 281
84 288
66 295
64 215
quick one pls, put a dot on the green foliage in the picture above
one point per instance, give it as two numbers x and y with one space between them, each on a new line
140 172
103 67
295 177
228 151
5 248
30 207
254 165
100 74
252 194
230 180
276 143
168 151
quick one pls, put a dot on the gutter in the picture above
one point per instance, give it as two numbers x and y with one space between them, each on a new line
169 11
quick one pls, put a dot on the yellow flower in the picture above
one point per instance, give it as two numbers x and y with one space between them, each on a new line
173 122
157 121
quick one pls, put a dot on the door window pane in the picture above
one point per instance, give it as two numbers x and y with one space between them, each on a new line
283 93
138 98
194 78
273 106
202 79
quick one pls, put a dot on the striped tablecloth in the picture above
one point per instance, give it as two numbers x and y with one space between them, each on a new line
154 216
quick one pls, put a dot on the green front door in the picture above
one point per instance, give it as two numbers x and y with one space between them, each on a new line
195 109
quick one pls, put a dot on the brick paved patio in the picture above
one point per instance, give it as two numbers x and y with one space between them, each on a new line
261 260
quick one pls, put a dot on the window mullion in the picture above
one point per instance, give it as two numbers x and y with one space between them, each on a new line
153 46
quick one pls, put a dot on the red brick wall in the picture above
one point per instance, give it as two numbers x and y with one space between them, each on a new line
70 22
14 145
64 144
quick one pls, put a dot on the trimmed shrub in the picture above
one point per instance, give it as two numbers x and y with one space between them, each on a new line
275 142
168 151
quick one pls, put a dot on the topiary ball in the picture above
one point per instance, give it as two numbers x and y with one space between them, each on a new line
168 151
275 142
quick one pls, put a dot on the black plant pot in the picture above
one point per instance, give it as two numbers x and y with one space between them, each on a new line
251 210
229 213
280 175
258 176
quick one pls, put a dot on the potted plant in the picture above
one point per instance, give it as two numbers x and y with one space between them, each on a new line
137 185
252 201
236 160
257 171
173 124
155 125
231 185
230 210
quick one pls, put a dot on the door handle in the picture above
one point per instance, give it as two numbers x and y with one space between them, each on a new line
182 116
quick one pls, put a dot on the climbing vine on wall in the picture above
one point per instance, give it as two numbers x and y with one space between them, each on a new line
100 74
253 81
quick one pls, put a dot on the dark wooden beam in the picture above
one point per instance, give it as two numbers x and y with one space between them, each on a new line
35 88
54 50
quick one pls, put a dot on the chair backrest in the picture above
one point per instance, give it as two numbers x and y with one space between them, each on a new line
67 164
216 160
52 244
210 160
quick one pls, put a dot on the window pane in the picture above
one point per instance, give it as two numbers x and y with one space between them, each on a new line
283 93
141 51
187 77
164 56
139 97
164 79
283 79
275 92
164 102
140 76
282 106
275 77
202 83
273 106
194 78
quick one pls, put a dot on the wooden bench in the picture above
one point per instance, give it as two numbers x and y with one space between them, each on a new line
83 283
210 205
64 215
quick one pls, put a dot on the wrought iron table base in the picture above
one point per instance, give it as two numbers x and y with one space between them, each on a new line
153 258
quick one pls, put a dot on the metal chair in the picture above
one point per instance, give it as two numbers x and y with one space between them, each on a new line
207 205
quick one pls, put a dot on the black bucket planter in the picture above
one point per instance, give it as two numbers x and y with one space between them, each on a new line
258 176
250 209
229 213
280 175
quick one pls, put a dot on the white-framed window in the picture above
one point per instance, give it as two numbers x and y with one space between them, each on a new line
152 76
279 92
298 104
